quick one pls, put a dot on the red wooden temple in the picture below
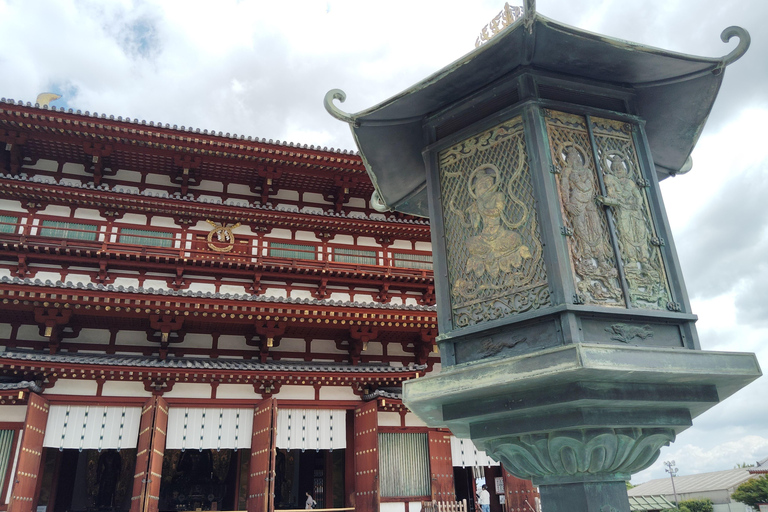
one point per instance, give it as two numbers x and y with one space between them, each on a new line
202 321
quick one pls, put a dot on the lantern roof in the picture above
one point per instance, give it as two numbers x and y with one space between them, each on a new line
674 94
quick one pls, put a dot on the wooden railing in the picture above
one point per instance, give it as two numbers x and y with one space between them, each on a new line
444 506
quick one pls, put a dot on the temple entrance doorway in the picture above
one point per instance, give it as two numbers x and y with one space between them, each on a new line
319 472
204 479
87 480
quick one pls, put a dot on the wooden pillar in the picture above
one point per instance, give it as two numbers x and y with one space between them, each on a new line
28 468
149 455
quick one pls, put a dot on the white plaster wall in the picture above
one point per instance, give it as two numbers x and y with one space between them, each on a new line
197 341
356 202
4 272
59 211
363 297
93 336
71 168
88 213
232 342
133 218
325 347
389 419
73 387
138 338
158 179
126 175
5 331
287 195
306 236
396 349
423 246
165 222
44 165
401 244
209 186
396 507
374 349
314 197
411 420
30 332
189 390
367 241
125 281
11 206
411 302
120 388
232 288
275 292
155 283
339 296
13 413
301 294
52 276
296 393
280 233
237 391
291 345
239 189
338 393
344 239
202 287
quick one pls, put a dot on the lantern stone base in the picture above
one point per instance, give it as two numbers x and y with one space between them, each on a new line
579 420
585 497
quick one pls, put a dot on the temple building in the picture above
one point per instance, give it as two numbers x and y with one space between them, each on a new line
194 320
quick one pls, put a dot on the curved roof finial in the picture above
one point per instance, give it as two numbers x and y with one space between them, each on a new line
741 49
337 94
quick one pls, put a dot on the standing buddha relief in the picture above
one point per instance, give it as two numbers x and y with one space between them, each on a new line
493 246
595 205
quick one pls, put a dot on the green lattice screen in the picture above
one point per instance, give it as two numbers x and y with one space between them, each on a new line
70 230
8 224
146 237
293 251
404 260
404 464
6 450
358 256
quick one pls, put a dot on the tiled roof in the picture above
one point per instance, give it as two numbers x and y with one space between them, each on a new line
191 363
715 481
392 394
209 295
647 503
760 468
24 384
143 122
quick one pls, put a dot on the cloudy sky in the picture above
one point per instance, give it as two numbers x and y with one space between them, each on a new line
262 69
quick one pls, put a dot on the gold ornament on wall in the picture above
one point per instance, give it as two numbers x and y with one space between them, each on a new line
223 235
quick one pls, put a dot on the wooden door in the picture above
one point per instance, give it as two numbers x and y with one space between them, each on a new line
366 450
261 472
441 466
146 424
28 467
521 494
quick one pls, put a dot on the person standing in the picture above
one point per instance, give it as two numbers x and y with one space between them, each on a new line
484 499
310 502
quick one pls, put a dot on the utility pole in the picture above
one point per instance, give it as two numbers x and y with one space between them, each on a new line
672 470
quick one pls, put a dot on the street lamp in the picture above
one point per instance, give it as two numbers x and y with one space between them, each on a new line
672 470
567 342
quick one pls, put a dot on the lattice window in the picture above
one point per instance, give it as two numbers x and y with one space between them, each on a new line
293 251
70 230
404 464
146 237
8 223
6 452
407 260
358 256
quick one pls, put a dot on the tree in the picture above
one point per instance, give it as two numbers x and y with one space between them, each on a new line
752 491
700 505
